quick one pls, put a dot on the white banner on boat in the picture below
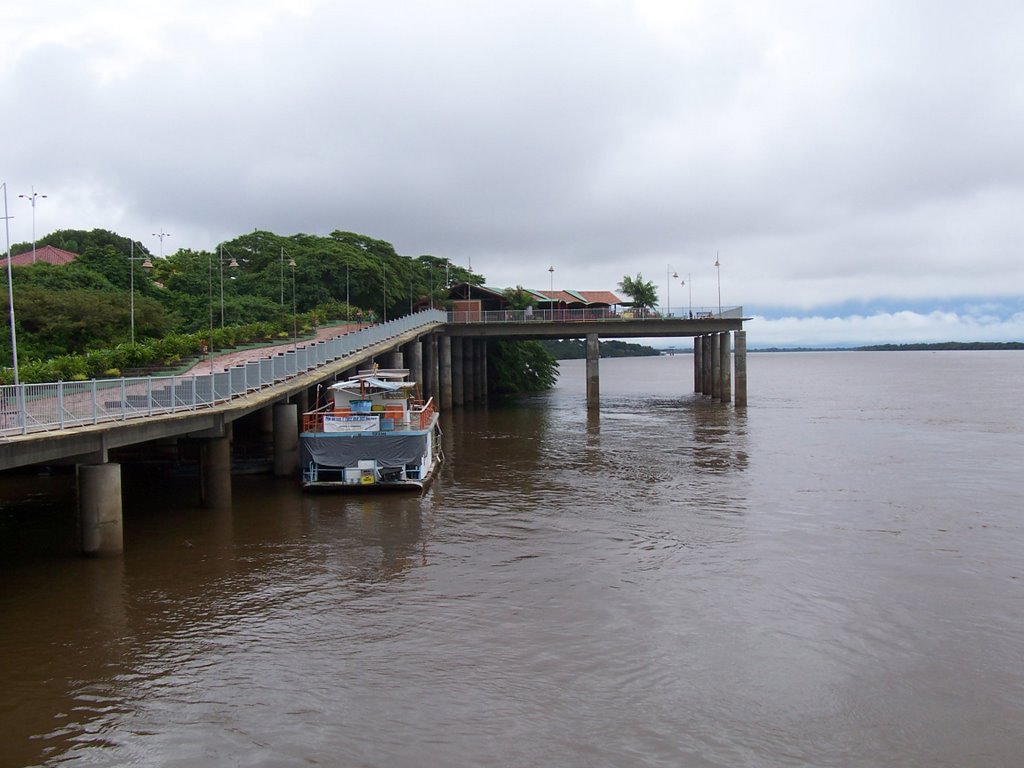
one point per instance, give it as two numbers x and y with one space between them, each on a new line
351 423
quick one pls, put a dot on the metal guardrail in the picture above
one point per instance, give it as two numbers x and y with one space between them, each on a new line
31 408
587 315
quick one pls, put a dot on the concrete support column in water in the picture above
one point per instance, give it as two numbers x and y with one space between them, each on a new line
99 508
593 371
430 375
716 366
469 366
698 370
301 400
705 358
394 359
286 439
215 472
458 372
414 361
445 369
726 367
481 378
741 369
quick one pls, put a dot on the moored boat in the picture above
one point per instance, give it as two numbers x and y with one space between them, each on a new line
374 433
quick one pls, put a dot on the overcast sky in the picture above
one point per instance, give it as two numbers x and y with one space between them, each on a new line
857 167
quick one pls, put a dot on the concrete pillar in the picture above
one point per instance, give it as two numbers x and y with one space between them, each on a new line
414 361
215 472
469 364
716 366
301 400
99 509
286 439
394 359
430 374
593 372
726 366
706 364
458 372
698 370
741 369
481 379
444 364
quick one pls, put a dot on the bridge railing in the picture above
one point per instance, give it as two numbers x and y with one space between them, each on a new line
27 408
587 315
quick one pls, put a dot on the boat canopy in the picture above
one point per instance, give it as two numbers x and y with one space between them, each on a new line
360 384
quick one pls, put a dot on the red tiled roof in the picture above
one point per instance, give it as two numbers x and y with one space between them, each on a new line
591 297
600 297
45 253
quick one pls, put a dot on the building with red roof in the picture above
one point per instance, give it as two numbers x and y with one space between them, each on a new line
46 253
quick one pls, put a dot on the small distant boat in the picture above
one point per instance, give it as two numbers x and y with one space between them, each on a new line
374 433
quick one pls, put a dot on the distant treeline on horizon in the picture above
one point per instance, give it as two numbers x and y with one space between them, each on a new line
921 347
576 349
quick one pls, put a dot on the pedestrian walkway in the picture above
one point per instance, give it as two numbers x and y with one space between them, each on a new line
224 360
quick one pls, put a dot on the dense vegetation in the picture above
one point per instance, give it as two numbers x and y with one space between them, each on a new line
575 349
75 321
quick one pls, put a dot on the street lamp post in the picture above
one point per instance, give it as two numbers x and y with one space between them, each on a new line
718 269
161 234
385 285
668 288
295 321
10 290
348 305
147 265
689 284
551 272
233 264
32 199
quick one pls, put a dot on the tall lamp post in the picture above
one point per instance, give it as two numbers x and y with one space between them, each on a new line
668 288
718 269
146 265
689 284
551 271
10 290
295 321
161 234
233 264
32 199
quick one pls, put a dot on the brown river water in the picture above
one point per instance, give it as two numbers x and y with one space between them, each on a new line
834 577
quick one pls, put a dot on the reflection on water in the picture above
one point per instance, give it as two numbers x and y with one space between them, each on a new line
830 577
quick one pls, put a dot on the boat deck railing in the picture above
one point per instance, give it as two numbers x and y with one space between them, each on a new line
417 418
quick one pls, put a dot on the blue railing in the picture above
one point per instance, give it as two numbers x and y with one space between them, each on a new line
29 408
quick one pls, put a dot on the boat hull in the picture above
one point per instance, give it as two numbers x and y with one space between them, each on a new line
368 462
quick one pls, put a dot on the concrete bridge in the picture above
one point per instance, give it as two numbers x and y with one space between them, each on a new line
80 423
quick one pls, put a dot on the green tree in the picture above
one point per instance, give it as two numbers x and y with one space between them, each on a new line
520 367
519 298
643 293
